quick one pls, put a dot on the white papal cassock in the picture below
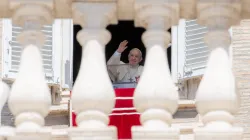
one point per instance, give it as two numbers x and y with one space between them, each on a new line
121 72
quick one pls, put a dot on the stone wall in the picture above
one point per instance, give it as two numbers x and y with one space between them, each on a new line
241 68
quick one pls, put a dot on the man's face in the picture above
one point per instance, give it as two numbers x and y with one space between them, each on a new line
134 57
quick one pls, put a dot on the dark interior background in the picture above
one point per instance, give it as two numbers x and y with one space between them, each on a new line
124 30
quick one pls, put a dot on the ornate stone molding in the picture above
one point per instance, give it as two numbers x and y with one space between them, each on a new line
32 22
63 8
4 9
188 9
220 15
94 15
24 11
245 12
146 12
23 16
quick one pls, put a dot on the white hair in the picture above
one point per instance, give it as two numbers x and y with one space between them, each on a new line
137 50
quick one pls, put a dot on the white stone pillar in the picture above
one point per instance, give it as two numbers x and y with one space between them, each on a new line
93 97
156 96
30 98
216 99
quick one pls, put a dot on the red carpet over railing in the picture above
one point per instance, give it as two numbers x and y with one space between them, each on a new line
124 115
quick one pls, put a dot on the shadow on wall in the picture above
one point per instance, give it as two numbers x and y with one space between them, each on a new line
125 30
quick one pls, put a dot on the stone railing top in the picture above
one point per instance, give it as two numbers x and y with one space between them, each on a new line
125 10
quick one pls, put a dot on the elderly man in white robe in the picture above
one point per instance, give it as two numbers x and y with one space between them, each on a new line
119 71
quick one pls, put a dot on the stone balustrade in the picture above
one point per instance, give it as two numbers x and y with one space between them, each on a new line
216 98
161 96
156 97
93 96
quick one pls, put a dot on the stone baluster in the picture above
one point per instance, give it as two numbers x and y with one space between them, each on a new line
93 97
216 98
30 98
156 96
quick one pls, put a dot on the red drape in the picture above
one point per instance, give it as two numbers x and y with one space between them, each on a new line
124 115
